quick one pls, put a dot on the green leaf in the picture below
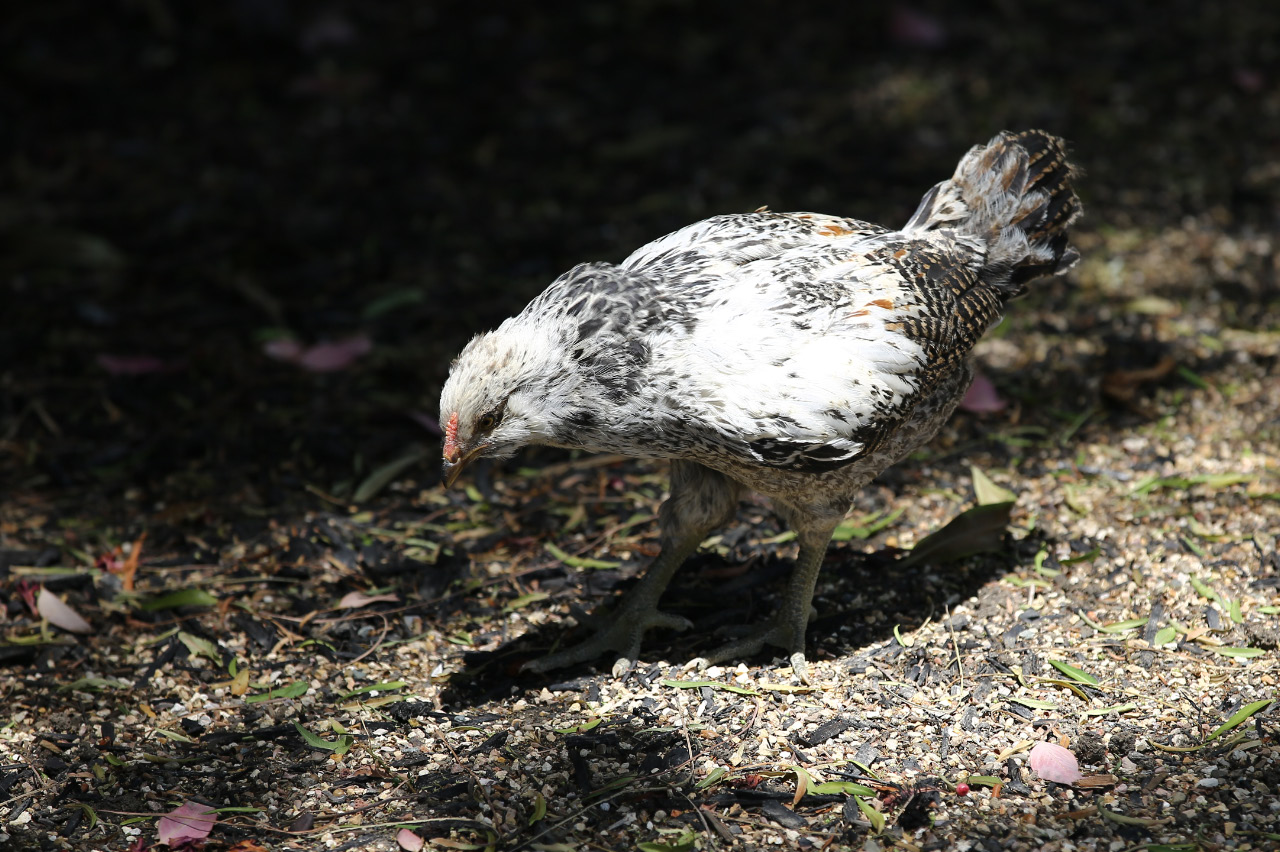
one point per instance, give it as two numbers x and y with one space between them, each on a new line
977 530
1114 708
385 474
1194 548
385 686
524 600
869 811
712 777
339 746
578 561
906 643
1117 627
611 787
182 597
580 729
1268 610
393 301
1035 703
1074 673
539 808
697 684
835 788
984 781
685 842
1121 819
200 647
865 527
1213 480
1238 653
293 690
1087 556
987 491
1026 582
173 735
1164 636
1193 378
89 813
1239 717
1233 611
86 684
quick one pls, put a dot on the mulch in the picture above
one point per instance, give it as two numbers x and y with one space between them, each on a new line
291 622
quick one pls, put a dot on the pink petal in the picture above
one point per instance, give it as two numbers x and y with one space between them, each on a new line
409 841
914 28
355 600
981 397
189 822
322 357
338 355
283 349
1052 762
59 614
330 29
130 365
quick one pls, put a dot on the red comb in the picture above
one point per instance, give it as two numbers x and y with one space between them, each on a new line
451 438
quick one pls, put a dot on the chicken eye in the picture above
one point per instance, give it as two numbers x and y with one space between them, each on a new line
487 422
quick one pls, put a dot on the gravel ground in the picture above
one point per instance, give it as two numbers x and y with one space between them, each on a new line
185 185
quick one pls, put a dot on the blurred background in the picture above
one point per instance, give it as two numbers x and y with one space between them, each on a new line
240 241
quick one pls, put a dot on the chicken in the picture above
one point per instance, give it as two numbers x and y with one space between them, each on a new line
796 355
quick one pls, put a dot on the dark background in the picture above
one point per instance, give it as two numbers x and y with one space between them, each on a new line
182 182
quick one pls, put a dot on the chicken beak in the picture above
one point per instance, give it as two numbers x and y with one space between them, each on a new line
449 472
451 468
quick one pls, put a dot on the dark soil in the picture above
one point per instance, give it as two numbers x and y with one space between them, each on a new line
184 186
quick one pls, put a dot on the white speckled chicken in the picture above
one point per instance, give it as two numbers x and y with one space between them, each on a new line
793 354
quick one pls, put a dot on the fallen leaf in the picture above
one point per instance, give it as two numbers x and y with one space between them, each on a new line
386 474
190 821
1052 762
987 491
1104 780
977 530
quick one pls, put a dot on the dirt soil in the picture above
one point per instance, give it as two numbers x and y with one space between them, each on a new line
240 242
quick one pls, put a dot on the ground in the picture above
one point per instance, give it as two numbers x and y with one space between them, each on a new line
191 199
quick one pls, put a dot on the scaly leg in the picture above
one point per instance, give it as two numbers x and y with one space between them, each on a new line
787 627
701 500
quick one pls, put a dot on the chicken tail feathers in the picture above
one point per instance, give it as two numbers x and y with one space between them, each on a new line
1014 194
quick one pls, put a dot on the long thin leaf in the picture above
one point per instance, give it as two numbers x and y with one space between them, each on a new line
578 561
1074 673
1238 718
977 530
